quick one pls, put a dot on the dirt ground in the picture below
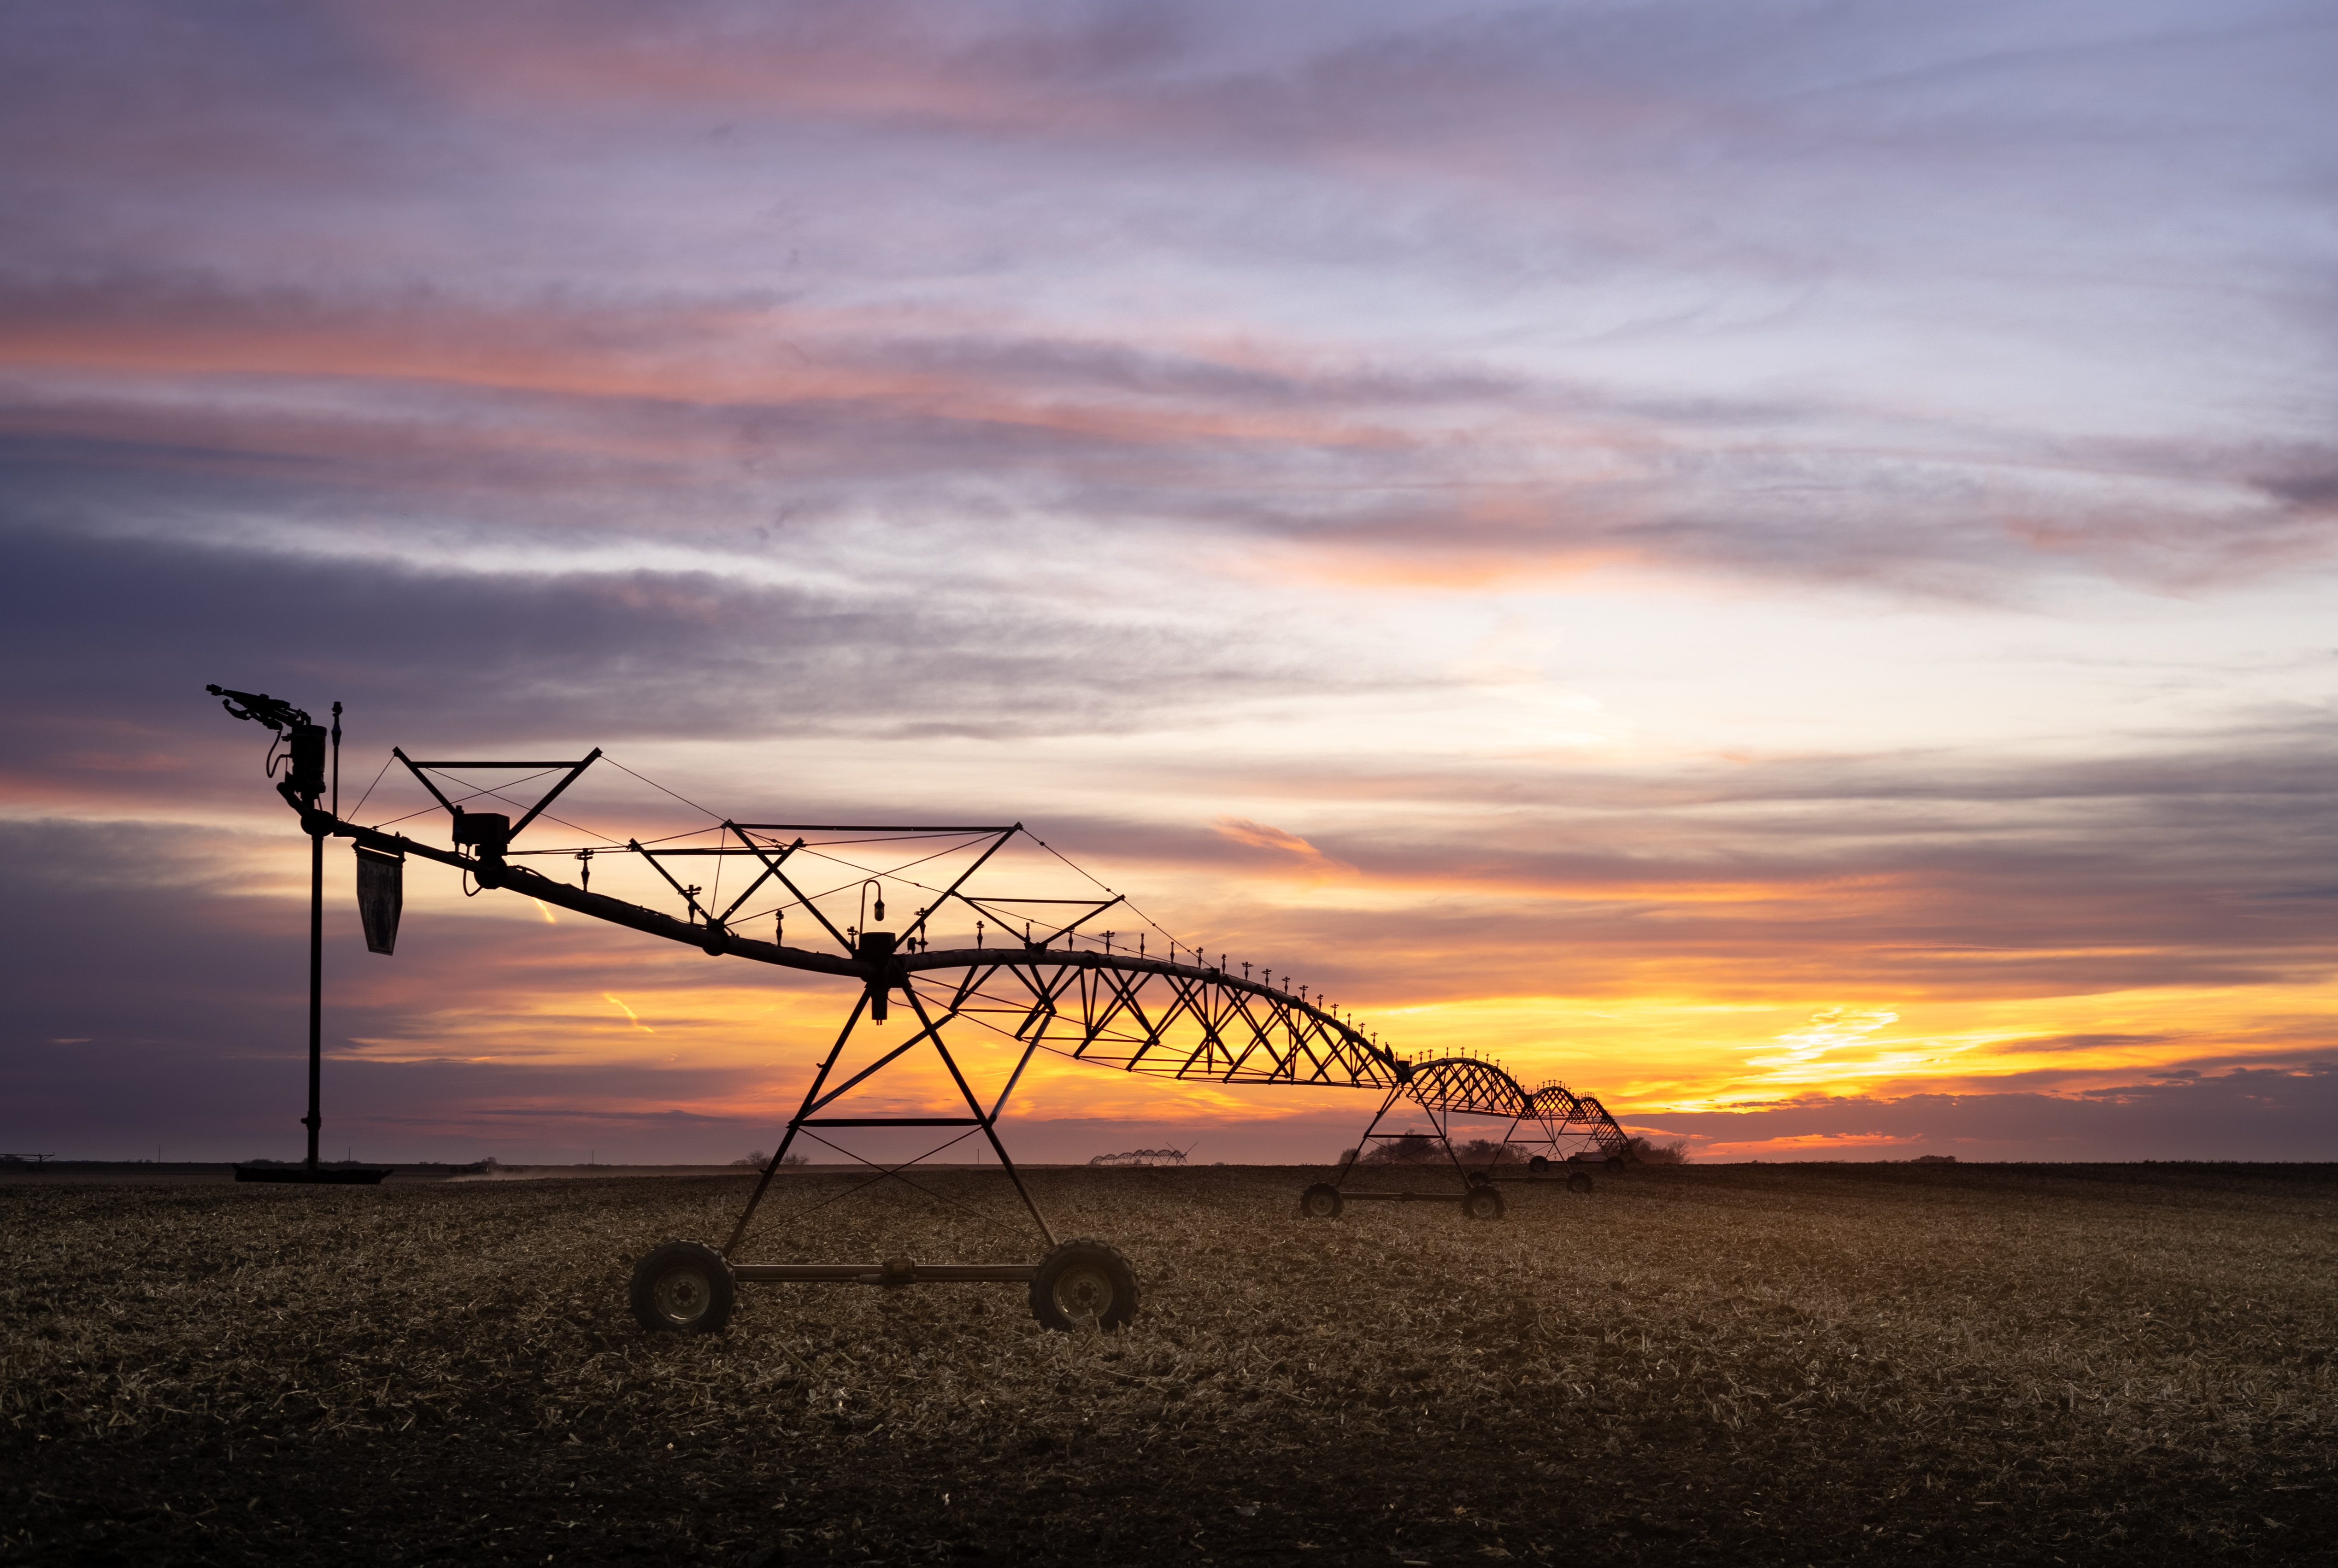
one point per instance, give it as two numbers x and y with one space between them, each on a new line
1745 1364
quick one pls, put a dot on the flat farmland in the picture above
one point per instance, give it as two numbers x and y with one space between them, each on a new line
1732 1364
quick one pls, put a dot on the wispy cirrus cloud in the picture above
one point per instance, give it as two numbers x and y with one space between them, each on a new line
1681 363
2274 1114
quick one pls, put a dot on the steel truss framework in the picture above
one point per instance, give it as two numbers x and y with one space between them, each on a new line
1185 1020
1546 1128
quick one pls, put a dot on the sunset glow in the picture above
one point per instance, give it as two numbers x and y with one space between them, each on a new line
1771 563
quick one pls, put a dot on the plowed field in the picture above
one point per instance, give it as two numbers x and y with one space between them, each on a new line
1750 1363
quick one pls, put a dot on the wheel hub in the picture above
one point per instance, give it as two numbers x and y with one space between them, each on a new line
682 1295
1084 1291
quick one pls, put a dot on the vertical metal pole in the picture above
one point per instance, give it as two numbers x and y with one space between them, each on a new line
315 1118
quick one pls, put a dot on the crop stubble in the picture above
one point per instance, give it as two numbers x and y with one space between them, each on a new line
1732 1364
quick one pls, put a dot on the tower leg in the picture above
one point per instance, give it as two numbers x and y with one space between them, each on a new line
1386 1106
812 1098
1445 1136
820 1095
989 1122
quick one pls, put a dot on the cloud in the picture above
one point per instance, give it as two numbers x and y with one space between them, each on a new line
128 630
196 914
2064 1043
1453 297
2284 1114
1289 847
1350 468
1142 417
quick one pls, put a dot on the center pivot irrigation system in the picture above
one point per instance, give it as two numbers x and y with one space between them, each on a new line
1040 974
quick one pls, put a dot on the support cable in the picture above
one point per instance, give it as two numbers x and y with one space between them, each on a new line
1133 909
654 784
371 788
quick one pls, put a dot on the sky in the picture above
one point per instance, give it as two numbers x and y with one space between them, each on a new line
1773 562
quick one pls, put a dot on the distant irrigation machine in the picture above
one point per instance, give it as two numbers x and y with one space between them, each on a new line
1546 1130
1178 1016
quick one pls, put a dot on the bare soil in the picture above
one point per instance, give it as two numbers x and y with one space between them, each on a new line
1748 1364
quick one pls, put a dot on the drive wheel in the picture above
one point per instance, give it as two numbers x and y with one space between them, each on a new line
1084 1282
684 1287
1580 1182
1322 1202
1482 1203
1539 1164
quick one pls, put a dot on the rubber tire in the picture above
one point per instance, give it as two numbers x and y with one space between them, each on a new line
684 1287
1083 1281
1579 1182
1482 1203
1322 1202
1539 1164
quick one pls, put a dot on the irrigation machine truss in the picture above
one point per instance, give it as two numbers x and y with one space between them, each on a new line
1179 1016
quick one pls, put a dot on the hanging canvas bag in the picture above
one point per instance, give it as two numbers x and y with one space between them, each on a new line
381 894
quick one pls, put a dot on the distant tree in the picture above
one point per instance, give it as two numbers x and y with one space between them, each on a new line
1648 1152
758 1158
1408 1149
1425 1149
